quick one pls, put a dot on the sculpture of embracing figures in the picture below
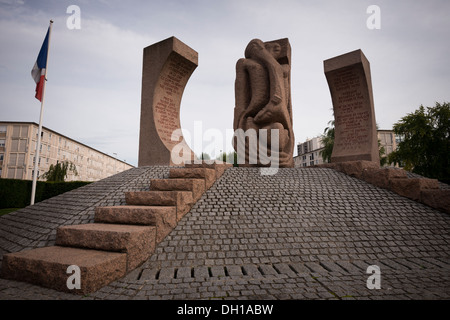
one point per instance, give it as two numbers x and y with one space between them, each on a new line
263 101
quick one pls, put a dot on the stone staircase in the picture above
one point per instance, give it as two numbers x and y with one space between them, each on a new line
121 237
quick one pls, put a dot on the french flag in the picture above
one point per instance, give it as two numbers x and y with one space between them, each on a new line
38 71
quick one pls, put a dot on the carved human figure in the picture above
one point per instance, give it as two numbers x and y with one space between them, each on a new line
262 93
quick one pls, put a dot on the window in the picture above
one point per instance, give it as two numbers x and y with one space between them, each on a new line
2 129
11 173
24 132
2 143
19 173
12 159
23 145
16 131
21 159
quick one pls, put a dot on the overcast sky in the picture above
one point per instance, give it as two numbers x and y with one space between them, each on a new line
93 93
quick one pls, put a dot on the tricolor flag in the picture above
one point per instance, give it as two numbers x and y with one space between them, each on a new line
38 72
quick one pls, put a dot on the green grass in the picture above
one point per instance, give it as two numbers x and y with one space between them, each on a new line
8 210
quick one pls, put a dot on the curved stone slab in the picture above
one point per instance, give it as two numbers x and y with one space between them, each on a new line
167 67
350 84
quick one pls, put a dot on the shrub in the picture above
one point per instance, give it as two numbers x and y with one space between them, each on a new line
17 193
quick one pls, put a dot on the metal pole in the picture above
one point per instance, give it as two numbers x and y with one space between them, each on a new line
38 145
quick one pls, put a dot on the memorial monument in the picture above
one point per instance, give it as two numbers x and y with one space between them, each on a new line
263 108
167 66
350 84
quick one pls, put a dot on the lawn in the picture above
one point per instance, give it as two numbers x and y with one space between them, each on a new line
7 210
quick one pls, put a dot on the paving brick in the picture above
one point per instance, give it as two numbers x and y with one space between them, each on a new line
166 273
267 270
234 270
251 270
284 269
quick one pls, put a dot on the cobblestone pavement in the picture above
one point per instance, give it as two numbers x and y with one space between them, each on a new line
304 233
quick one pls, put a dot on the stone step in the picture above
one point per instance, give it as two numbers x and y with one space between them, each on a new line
182 200
218 166
196 186
163 218
209 175
138 242
47 267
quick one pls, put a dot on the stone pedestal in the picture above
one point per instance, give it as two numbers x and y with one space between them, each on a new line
350 86
167 67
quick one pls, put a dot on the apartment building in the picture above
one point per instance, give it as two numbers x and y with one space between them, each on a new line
18 147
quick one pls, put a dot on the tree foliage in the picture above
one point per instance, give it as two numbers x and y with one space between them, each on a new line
425 145
59 171
328 142
204 156
231 157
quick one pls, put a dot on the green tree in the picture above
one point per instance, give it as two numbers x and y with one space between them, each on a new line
231 157
425 145
59 172
204 156
328 142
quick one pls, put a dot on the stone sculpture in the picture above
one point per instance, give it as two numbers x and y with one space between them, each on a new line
263 101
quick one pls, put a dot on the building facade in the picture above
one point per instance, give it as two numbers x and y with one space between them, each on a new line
18 142
388 140
309 152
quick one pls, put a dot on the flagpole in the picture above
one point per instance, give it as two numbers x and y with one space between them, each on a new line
38 144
